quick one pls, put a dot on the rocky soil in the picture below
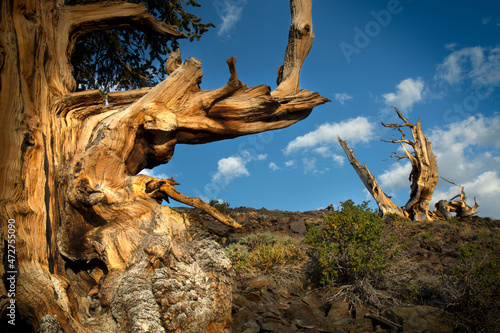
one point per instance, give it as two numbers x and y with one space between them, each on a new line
415 295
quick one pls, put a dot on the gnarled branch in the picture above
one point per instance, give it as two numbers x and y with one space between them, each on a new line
460 207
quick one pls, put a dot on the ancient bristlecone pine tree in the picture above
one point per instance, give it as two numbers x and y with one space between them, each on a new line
423 177
95 249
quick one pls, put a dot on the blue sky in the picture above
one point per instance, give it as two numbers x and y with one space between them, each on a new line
437 61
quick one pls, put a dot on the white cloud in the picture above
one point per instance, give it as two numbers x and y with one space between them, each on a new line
396 176
289 163
408 92
486 20
325 152
273 166
465 148
467 153
232 167
309 164
485 188
354 130
230 13
478 64
152 173
450 46
342 97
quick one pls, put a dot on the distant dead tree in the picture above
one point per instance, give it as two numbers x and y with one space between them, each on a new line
423 178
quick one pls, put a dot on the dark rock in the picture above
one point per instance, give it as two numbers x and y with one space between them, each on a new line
361 320
215 226
270 324
245 319
339 314
285 329
240 301
298 226
259 282
304 316
422 319
313 300
253 295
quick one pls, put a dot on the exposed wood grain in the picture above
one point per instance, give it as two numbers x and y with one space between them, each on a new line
90 231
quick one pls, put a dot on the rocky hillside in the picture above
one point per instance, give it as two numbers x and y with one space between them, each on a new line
444 276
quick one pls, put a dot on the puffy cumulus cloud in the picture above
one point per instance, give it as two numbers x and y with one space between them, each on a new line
152 173
485 188
467 147
342 97
468 153
232 167
354 130
396 177
408 92
230 13
478 64
290 163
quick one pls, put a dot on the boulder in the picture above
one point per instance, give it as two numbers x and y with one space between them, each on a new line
420 319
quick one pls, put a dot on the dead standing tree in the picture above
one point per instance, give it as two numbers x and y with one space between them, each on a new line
93 245
423 176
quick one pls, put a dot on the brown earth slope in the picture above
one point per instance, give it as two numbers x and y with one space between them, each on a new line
444 278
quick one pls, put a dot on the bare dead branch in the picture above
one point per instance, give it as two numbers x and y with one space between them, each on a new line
384 203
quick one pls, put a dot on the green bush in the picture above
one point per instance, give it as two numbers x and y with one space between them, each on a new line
220 205
478 278
351 244
264 251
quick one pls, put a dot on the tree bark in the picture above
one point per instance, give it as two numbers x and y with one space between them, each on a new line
93 245
424 172
460 207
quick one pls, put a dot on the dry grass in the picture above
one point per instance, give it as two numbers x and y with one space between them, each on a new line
280 257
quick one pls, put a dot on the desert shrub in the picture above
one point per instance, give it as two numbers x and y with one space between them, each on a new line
477 280
220 205
351 244
264 252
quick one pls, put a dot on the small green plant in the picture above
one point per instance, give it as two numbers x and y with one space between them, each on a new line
471 289
351 244
264 252
412 291
220 205
478 276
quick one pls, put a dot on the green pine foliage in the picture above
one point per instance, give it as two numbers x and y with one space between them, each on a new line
131 58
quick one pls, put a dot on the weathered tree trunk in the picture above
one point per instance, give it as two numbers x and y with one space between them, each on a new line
385 204
93 245
423 176
460 207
